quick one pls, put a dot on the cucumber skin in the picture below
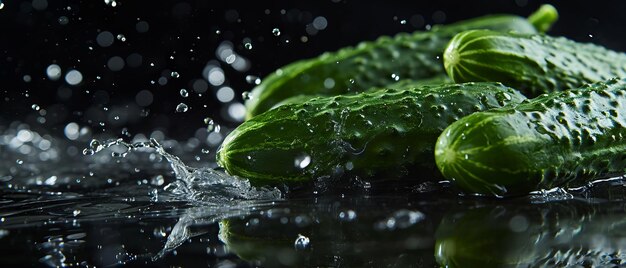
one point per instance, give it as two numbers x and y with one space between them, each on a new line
562 139
371 64
534 64
386 133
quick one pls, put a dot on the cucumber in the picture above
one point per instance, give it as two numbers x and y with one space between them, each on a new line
534 64
436 80
381 62
387 133
562 139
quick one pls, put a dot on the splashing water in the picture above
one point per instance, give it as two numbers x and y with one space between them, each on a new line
196 184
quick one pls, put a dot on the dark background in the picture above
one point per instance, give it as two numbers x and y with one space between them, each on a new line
183 37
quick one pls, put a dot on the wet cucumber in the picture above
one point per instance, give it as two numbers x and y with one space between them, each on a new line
535 64
381 62
386 133
562 139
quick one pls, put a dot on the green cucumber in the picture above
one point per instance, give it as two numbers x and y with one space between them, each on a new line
562 139
534 64
381 62
436 80
387 133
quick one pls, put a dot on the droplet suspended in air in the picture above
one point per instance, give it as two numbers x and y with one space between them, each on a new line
184 93
246 95
175 74
254 80
248 46
182 108
302 242
302 161
276 32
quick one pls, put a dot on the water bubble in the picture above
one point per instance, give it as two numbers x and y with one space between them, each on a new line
395 77
276 32
403 22
121 37
302 161
247 45
182 108
211 125
76 212
1 5
302 242
88 151
19 161
218 32
254 80
329 83
35 107
184 93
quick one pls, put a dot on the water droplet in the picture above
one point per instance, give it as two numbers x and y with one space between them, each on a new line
254 80
1 5
205 151
211 125
19 161
182 108
76 212
35 107
348 215
175 74
248 45
302 161
88 151
276 32
111 3
184 93
395 77
218 32
121 37
157 180
302 242
403 22
246 95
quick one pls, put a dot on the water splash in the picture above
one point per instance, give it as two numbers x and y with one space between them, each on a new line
195 184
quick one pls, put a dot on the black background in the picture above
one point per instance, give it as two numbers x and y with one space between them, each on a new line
33 38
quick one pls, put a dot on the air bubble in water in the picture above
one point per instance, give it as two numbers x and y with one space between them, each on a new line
276 32
395 77
175 74
248 45
251 79
1 5
184 93
182 108
35 107
302 242
157 180
403 22
210 125
76 212
302 161
121 37
19 161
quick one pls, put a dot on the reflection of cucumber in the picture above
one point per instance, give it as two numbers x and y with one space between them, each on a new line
554 140
379 63
567 234
535 64
386 133
327 238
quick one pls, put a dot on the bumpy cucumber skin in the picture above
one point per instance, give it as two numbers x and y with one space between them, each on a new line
561 139
371 64
387 133
404 83
535 64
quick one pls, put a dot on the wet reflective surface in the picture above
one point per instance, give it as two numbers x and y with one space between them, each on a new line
148 208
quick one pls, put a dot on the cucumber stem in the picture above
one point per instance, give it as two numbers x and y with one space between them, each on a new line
544 17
